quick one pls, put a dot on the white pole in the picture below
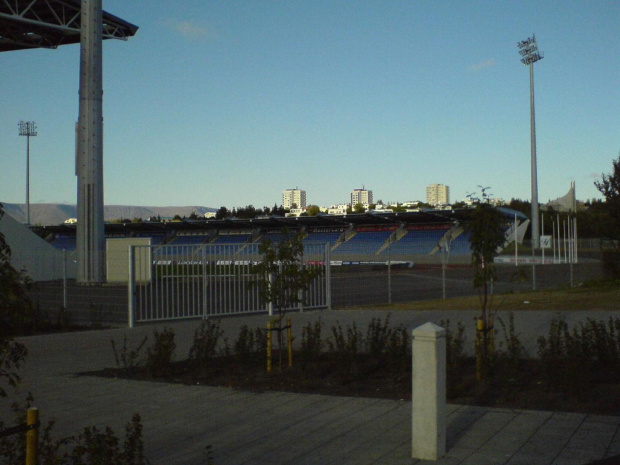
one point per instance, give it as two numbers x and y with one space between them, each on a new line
542 229
565 242
575 236
516 248
559 240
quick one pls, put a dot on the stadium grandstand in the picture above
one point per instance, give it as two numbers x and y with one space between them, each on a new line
367 237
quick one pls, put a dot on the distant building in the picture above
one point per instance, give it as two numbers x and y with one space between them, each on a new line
296 197
437 194
340 209
567 203
362 196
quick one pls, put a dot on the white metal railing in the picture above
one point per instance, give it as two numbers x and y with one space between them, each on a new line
172 282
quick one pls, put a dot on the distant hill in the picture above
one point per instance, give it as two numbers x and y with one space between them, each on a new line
49 214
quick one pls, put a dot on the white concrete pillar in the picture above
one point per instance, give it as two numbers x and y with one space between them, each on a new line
428 397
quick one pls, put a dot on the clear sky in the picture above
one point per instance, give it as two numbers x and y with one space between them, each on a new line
230 102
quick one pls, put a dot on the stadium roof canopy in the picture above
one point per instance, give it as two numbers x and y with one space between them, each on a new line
370 219
27 24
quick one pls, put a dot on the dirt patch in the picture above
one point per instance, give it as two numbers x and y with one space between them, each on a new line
524 386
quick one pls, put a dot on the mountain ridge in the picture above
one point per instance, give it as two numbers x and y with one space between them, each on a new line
50 214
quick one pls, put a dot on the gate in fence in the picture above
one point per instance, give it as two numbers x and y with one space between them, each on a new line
171 282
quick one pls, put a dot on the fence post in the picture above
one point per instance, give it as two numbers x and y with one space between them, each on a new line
131 287
389 274
428 396
32 436
328 278
64 279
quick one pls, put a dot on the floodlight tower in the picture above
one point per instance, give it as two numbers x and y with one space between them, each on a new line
530 55
90 232
27 129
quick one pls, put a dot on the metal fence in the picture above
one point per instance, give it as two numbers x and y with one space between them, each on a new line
354 286
196 281
172 282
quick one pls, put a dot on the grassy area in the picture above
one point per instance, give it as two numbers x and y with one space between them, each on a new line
599 295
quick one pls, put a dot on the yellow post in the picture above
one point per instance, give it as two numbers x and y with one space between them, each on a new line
268 347
32 436
289 340
479 347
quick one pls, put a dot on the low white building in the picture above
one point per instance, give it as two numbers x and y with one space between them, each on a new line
340 209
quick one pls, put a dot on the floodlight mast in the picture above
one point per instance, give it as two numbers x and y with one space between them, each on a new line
27 129
90 232
528 49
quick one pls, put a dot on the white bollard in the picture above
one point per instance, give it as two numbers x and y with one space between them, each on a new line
428 396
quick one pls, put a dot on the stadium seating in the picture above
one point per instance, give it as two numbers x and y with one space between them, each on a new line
421 241
323 237
367 242
67 243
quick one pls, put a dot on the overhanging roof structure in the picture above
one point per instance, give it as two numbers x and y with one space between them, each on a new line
429 217
27 24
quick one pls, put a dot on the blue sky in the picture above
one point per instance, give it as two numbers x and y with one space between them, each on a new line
230 102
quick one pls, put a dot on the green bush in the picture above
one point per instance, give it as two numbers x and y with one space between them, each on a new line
572 359
161 353
610 262
128 359
250 348
206 341
311 343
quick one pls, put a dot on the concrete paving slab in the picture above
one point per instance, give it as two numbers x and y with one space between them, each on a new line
285 428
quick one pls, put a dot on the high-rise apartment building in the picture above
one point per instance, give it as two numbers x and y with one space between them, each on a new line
292 197
437 194
362 196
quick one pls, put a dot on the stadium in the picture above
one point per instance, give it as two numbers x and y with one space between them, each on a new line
197 268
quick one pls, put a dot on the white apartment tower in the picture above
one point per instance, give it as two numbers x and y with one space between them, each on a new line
362 196
293 196
437 194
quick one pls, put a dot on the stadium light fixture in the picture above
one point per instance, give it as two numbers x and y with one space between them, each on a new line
27 129
529 52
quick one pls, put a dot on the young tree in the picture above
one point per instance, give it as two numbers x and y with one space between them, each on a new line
15 312
313 210
282 277
358 208
609 227
609 186
486 229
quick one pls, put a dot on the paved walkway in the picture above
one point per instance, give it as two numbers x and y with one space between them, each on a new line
284 428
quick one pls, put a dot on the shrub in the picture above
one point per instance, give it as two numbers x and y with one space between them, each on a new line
126 359
455 357
311 343
251 346
610 262
346 345
571 359
398 350
205 344
90 447
376 336
161 353
511 348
